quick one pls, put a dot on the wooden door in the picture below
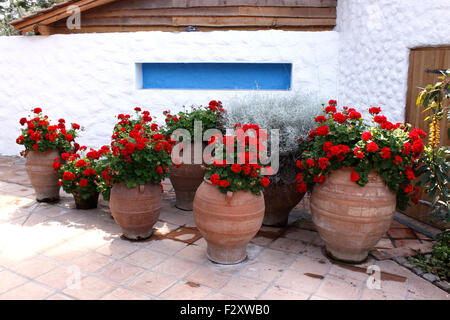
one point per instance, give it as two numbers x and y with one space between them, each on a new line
421 62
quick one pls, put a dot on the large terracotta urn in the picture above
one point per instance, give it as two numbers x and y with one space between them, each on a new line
280 198
185 180
352 219
136 210
227 221
39 167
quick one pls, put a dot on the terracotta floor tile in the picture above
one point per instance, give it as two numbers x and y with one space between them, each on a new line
277 293
407 243
207 277
401 233
185 291
27 291
145 258
384 244
298 281
60 277
424 290
91 262
193 253
151 283
201 243
275 257
9 280
369 294
35 266
125 294
349 272
314 252
396 224
244 287
262 271
310 265
288 245
118 248
338 290
166 246
89 288
261 241
50 211
187 235
175 267
58 296
120 271
305 236
164 228
314 297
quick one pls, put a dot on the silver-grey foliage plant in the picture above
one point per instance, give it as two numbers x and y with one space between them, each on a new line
293 114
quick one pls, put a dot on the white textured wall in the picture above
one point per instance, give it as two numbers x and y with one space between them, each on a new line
90 78
375 41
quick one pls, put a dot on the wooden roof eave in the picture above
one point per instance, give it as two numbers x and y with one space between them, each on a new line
53 14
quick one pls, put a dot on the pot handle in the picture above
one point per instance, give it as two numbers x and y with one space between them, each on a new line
229 197
141 188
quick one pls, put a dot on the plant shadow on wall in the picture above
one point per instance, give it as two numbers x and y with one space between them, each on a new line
293 115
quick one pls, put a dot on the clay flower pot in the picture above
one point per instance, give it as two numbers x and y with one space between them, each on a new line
136 210
185 180
352 219
85 204
43 178
227 222
280 198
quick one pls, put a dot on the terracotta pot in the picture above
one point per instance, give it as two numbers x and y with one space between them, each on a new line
85 204
227 222
352 219
43 178
136 210
185 181
280 198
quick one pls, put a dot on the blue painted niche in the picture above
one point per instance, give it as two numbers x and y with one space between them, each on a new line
217 76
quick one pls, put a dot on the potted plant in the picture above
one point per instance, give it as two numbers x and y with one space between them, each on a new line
229 204
293 116
80 175
44 142
186 177
358 174
139 160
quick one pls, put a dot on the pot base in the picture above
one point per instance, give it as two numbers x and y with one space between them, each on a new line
185 205
346 258
48 200
226 255
133 236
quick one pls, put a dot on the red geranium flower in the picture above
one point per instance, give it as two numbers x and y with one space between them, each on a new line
322 131
385 153
83 183
37 110
372 147
265 181
302 187
354 176
366 136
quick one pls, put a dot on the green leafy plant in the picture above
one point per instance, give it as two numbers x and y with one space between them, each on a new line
233 169
343 139
82 172
434 165
438 261
210 118
40 135
139 152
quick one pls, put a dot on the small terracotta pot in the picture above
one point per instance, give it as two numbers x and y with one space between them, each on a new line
85 204
280 198
227 222
185 181
136 210
352 219
43 178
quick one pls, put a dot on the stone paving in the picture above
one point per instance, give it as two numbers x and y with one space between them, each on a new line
55 252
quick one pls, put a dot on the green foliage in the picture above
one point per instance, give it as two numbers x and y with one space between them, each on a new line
232 170
433 172
139 153
343 139
15 9
438 261
210 118
40 135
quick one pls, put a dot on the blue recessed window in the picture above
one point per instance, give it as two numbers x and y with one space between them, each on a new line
216 76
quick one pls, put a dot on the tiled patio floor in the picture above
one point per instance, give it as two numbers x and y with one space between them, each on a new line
56 252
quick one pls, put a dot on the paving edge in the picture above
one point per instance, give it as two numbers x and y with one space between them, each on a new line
416 225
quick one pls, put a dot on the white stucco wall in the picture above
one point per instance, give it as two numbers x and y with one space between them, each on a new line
375 42
90 78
